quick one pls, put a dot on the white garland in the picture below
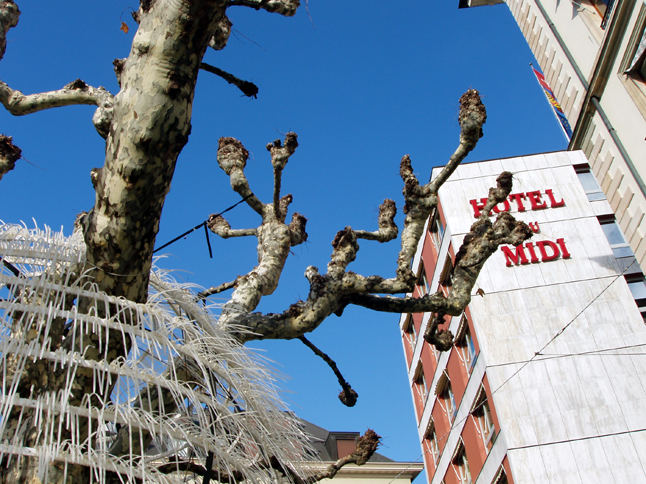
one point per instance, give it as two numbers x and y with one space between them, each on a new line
229 406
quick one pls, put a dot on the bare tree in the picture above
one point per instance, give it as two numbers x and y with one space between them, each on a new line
109 266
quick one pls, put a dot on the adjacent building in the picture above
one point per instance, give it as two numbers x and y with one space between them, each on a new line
546 381
593 55
330 446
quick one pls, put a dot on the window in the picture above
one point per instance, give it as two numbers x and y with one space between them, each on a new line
589 183
635 61
447 272
437 229
465 344
501 477
482 414
461 465
620 247
422 282
420 382
604 7
633 66
430 442
637 287
409 330
447 397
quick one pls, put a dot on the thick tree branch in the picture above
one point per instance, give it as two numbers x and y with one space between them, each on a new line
275 238
74 93
249 89
387 228
9 15
219 226
472 116
232 158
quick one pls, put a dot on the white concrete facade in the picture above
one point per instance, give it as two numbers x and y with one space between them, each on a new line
560 343
585 66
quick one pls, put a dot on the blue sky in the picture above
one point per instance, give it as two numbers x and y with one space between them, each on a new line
362 83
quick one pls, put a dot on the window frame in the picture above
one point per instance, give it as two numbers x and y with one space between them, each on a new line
466 345
419 380
422 280
641 302
430 437
460 464
483 417
410 332
501 477
447 397
594 193
437 229
619 249
635 83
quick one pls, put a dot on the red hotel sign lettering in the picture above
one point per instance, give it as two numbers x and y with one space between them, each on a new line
534 200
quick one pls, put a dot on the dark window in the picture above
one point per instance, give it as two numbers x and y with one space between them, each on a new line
409 330
437 229
466 345
634 62
604 7
430 441
461 466
447 272
422 281
501 477
637 67
420 382
482 414
447 397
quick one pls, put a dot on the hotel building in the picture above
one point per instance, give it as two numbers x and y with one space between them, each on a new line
546 381
593 55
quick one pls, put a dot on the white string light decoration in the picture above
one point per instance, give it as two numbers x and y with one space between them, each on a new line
186 392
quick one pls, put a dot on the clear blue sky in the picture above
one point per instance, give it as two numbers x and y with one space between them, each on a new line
362 83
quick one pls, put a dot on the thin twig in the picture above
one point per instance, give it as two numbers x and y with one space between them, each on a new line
249 89
348 396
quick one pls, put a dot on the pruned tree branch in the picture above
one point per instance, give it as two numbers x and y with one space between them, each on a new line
331 292
279 156
387 228
275 237
9 15
232 159
9 154
74 93
219 226
366 446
